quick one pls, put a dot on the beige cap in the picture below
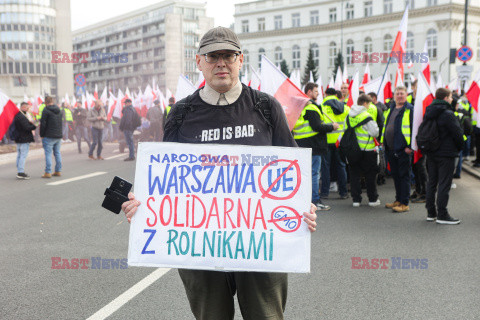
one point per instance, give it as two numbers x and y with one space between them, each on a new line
219 38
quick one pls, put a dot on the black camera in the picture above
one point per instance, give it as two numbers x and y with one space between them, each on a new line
116 195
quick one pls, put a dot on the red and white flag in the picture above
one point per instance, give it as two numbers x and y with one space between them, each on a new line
104 96
127 94
168 94
423 99
311 77
119 105
387 89
255 79
95 93
345 74
338 79
112 103
320 89
36 104
245 78
426 65
184 88
295 78
277 84
400 45
74 102
366 75
331 83
398 79
67 99
199 84
8 110
353 91
473 95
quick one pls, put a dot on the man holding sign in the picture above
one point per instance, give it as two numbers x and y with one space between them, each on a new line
226 112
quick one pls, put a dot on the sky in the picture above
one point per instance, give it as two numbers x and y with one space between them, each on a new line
82 16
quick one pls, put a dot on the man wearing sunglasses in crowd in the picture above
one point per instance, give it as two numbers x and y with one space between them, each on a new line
243 116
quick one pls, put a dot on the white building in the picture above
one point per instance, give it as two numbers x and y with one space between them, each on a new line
286 29
157 42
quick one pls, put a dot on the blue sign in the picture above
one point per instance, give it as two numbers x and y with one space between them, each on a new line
80 90
80 80
464 54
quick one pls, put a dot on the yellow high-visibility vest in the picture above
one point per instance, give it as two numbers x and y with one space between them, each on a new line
302 127
364 139
406 132
332 137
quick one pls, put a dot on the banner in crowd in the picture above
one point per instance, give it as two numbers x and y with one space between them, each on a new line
221 207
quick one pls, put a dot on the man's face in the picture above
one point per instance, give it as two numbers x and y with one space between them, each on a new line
374 100
313 94
344 90
25 107
221 76
400 97
449 99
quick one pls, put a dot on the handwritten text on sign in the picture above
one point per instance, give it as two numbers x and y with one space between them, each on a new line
221 207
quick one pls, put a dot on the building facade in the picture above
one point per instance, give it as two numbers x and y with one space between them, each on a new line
287 29
156 43
29 31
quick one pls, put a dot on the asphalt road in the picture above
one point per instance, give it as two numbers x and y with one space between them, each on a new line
40 222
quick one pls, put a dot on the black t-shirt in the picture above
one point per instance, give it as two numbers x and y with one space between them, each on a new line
236 123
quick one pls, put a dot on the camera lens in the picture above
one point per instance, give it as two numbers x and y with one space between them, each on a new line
122 184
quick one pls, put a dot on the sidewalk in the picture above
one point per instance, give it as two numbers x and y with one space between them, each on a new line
468 167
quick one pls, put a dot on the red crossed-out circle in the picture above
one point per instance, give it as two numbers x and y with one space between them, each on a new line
266 193
465 53
297 217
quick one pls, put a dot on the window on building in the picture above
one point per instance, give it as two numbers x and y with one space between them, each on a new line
410 3
246 61
278 56
432 3
387 43
387 6
332 15
19 81
277 20
410 42
350 49
350 11
261 24
332 53
295 20
244 26
296 57
314 17
261 52
432 43
316 53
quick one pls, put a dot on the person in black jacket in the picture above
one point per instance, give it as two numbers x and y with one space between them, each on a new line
128 124
23 136
441 163
311 132
51 133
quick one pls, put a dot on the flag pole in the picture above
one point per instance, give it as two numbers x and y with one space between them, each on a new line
380 87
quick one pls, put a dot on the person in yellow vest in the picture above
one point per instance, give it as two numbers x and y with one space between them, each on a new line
367 163
345 93
334 111
310 131
67 119
411 96
463 117
37 122
396 137
171 102
471 142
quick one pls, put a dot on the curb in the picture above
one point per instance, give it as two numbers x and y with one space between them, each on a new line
471 170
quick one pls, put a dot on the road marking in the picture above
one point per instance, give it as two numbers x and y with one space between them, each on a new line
86 176
113 157
122 299
119 223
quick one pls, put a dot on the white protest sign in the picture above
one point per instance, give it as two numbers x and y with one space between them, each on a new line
221 207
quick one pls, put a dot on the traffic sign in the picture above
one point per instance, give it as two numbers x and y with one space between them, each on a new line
464 54
80 80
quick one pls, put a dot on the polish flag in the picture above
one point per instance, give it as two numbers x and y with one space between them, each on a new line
423 99
311 77
473 94
277 84
112 103
8 110
400 44
398 79
90 100
374 86
387 89
67 99
128 95
426 65
163 100
184 88
74 102
255 80
412 78
295 78
331 84
84 102
119 105
320 89
338 79
200 82
95 93
104 96
353 91
366 75
345 74
36 104
245 80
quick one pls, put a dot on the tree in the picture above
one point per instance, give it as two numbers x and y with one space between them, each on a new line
310 66
284 68
338 63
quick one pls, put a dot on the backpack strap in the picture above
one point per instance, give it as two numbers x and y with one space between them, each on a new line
263 106
176 116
